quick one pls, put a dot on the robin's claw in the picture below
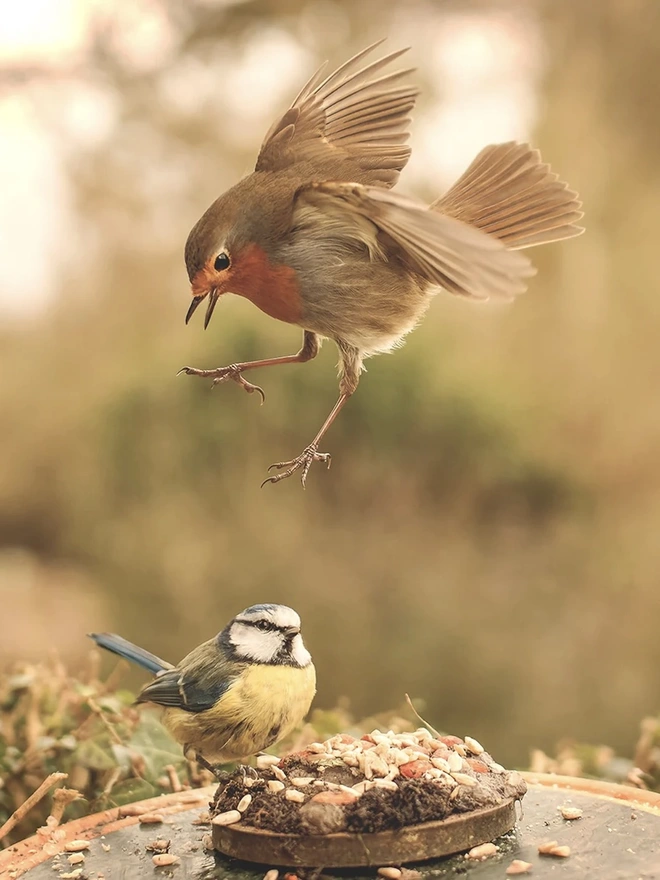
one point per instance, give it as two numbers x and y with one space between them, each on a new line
222 374
249 387
301 463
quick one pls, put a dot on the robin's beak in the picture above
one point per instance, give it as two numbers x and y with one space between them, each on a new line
213 296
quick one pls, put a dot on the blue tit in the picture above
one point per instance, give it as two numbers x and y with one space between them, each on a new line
236 694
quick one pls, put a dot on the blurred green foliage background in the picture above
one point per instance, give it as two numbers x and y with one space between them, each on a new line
487 537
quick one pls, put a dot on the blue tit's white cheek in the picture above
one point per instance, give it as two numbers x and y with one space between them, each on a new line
299 653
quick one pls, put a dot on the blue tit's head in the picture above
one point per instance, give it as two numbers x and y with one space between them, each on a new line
265 634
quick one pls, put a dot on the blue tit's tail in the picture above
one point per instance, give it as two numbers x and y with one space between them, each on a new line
130 652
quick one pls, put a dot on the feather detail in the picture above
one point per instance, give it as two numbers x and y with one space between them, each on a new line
511 194
442 250
352 114
133 653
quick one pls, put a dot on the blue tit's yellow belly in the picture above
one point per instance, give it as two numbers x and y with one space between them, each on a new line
262 706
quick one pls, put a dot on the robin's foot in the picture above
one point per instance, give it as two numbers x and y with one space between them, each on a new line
302 463
223 374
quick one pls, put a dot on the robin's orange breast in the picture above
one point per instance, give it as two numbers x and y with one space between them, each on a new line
272 288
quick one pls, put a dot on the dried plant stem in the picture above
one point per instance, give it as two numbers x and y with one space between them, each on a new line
19 814
417 715
175 784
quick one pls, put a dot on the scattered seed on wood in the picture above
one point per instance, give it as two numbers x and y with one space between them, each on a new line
76 858
71 875
150 819
162 860
301 781
76 845
228 818
273 874
244 803
278 774
571 813
106 847
292 794
517 866
389 873
552 848
483 851
275 785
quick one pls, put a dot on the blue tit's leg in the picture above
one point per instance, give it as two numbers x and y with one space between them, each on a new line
221 775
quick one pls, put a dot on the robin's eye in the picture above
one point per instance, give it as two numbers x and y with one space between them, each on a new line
221 262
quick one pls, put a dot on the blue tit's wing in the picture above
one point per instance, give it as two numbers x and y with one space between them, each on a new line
196 684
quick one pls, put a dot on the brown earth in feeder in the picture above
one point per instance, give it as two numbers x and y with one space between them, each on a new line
314 809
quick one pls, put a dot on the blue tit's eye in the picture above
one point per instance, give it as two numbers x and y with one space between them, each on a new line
221 262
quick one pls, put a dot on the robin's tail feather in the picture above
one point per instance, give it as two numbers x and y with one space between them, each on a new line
510 193
131 652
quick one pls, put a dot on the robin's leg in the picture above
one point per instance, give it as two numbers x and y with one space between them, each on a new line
350 368
309 350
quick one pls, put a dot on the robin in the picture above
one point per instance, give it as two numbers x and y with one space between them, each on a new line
315 236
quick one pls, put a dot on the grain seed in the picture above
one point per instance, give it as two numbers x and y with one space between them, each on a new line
228 818
473 745
162 860
244 803
265 761
76 845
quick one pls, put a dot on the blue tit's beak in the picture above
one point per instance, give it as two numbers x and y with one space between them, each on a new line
291 631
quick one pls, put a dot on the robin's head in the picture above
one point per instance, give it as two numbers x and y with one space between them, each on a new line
233 248
212 250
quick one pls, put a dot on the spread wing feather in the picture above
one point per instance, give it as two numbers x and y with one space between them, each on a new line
351 115
443 250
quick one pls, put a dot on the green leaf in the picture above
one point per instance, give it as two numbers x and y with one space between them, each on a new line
127 792
155 745
95 754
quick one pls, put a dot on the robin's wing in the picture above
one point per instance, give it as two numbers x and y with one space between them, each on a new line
195 685
443 250
355 114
